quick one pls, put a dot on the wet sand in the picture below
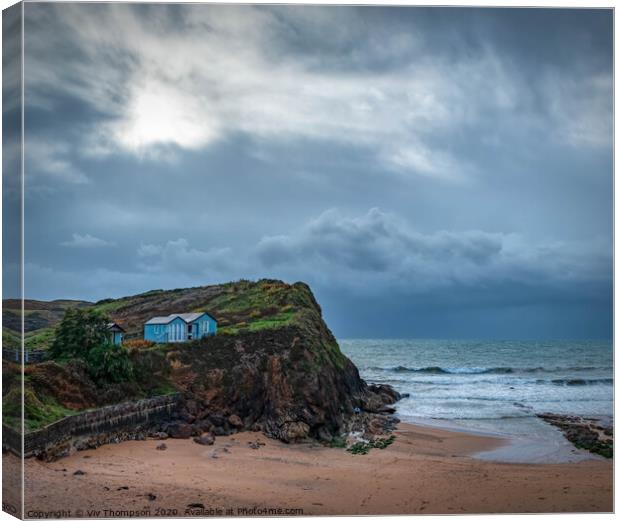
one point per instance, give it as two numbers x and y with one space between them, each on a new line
425 471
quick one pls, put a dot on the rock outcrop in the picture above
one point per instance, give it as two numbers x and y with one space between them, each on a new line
291 383
585 433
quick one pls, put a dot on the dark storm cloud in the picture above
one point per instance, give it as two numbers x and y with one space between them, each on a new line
171 145
376 251
11 149
374 242
151 100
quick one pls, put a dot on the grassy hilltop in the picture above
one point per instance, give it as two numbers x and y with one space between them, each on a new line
237 306
273 366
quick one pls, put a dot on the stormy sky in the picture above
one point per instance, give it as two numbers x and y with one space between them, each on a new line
430 172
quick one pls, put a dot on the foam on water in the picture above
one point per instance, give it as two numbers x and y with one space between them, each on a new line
495 388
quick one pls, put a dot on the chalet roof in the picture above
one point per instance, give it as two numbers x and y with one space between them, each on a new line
189 317
186 317
115 327
161 320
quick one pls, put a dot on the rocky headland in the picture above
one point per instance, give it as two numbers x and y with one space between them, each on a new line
274 367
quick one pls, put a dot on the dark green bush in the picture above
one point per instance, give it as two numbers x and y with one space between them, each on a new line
78 332
84 334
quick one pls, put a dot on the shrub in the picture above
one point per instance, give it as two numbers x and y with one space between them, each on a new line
359 448
84 334
78 332
138 343
110 363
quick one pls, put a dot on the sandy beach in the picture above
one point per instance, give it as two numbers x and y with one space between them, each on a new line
425 471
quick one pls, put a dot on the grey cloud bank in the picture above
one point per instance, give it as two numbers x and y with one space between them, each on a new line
432 172
386 254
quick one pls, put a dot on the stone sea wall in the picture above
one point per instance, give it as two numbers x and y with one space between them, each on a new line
111 424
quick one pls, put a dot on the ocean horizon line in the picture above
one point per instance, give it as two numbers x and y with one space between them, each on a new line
474 339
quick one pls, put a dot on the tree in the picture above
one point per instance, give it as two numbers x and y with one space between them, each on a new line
79 332
84 334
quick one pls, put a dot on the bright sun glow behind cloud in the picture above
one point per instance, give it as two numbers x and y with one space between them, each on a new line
227 72
158 114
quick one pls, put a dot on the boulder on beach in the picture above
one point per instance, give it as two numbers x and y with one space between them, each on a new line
206 438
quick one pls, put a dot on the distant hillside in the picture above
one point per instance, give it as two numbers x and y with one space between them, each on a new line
38 313
40 318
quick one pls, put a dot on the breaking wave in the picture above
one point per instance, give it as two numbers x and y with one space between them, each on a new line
478 370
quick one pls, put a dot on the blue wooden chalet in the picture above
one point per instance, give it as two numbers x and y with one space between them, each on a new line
180 327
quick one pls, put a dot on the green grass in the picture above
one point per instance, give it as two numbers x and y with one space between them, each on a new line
107 307
245 296
245 306
40 338
37 412
259 324
50 413
10 339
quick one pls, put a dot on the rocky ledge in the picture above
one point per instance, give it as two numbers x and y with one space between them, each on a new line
358 426
277 386
585 433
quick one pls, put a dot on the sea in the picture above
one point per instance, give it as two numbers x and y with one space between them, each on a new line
495 388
